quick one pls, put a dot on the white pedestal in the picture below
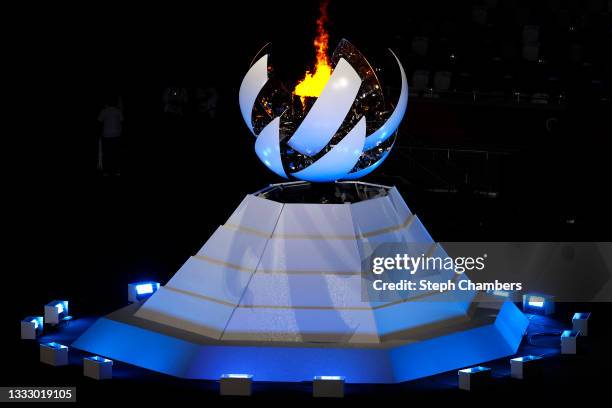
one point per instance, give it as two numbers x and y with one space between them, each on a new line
54 354
569 342
525 367
236 384
328 387
98 368
580 323
474 378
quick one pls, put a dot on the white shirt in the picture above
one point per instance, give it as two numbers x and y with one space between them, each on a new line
111 118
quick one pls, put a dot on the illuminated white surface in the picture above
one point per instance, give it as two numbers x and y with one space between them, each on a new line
268 149
339 160
386 130
251 85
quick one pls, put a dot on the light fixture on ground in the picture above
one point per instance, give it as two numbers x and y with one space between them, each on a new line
54 354
525 367
538 304
474 378
236 384
580 322
569 341
31 327
56 312
98 368
140 291
328 386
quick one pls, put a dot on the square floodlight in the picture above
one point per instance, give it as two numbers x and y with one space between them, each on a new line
97 367
31 327
525 367
54 354
56 312
569 342
580 322
538 304
474 378
139 291
328 386
236 384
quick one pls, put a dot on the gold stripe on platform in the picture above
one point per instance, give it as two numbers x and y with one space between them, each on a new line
225 303
223 263
362 235
199 296
279 271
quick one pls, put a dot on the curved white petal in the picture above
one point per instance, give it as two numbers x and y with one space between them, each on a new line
339 160
328 112
394 120
267 147
252 83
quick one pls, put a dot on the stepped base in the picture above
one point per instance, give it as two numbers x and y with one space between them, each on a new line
122 337
276 293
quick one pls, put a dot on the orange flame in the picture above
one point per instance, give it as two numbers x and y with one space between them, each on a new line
313 83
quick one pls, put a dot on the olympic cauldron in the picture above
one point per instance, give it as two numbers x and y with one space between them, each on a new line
343 134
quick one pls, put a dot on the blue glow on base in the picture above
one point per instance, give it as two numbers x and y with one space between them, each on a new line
174 356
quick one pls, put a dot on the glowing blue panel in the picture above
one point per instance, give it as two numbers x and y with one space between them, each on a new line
60 308
181 358
339 160
386 130
252 83
144 288
267 147
328 112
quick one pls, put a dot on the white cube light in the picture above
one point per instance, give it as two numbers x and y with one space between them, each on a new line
236 384
474 378
98 368
569 341
31 327
139 291
54 354
580 323
525 367
329 386
56 312
538 304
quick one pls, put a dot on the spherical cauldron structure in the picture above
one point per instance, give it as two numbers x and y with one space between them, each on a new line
343 134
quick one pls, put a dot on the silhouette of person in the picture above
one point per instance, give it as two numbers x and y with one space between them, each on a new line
109 147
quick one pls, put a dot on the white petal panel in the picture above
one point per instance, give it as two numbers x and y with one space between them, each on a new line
328 112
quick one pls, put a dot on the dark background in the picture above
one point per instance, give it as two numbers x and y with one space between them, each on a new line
475 162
